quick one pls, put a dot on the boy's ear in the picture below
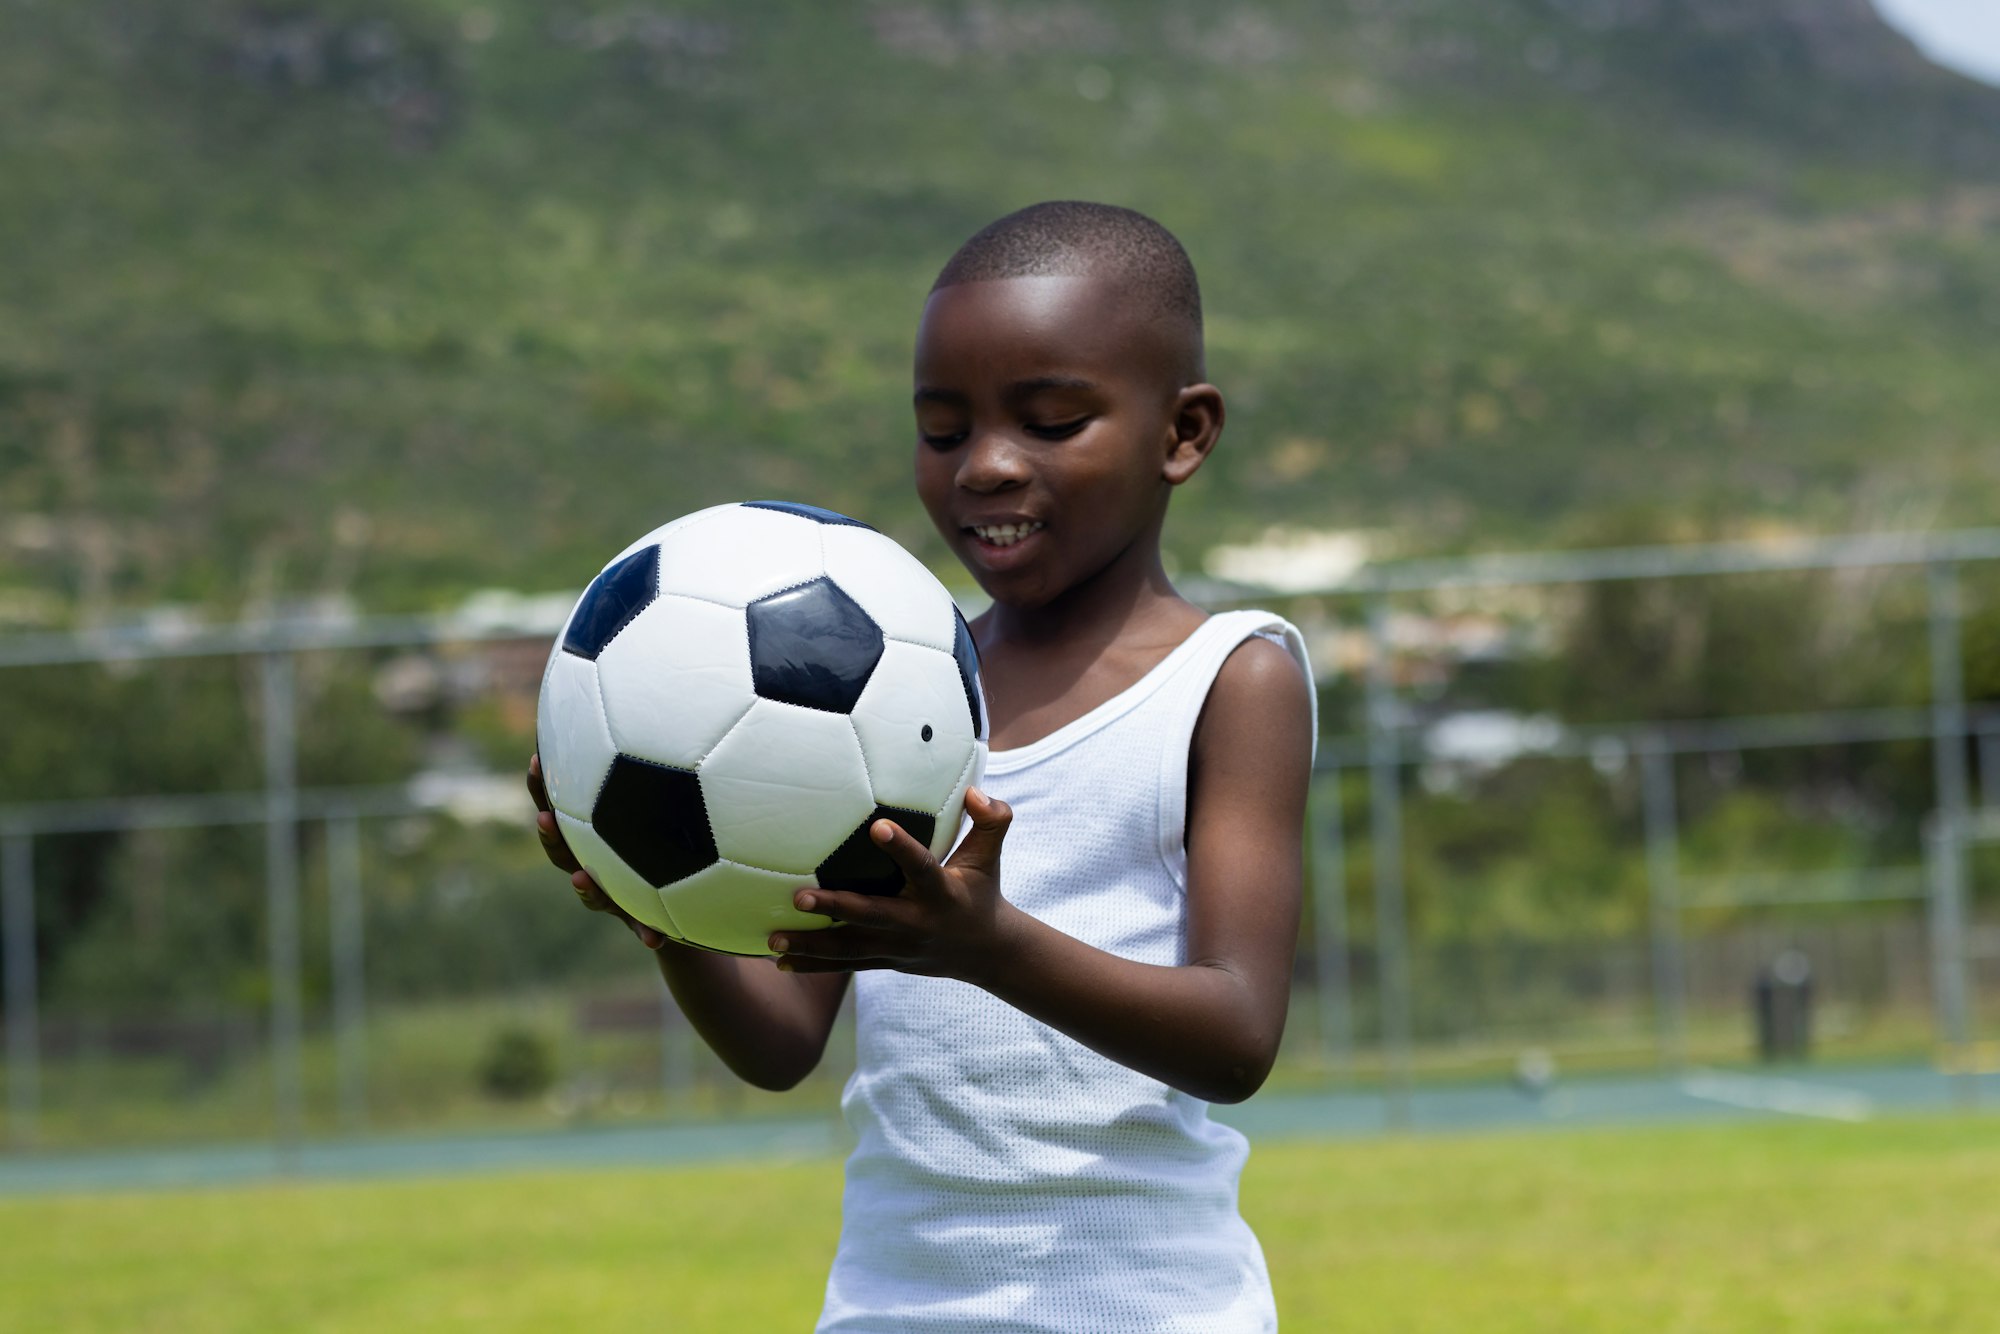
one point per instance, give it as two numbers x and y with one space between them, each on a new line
1197 425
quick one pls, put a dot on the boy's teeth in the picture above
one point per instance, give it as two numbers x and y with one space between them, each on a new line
1006 534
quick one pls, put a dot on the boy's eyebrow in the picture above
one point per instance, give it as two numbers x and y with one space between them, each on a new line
1014 392
1028 388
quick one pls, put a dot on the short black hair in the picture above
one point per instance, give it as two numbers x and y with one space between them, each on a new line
1072 238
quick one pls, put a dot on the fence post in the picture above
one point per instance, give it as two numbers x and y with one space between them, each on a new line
17 925
1948 765
1989 767
1385 809
1330 971
281 892
1943 849
345 942
1663 892
676 1053
1947 696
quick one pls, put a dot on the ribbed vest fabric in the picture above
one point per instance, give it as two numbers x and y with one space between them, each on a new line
1007 1178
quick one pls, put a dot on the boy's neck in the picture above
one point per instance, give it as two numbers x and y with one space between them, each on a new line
1130 597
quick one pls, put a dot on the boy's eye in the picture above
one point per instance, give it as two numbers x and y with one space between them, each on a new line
1058 430
942 440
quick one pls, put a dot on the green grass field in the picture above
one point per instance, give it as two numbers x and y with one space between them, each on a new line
1768 1227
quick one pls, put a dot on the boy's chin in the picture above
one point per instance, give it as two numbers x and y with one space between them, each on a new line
1018 594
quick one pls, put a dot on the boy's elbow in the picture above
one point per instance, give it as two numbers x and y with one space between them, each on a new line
771 1079
1236 1082
1240 1070
774 1071
1241 1048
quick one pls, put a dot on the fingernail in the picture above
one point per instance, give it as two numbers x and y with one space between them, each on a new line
806 902
881 832
780 945
784 965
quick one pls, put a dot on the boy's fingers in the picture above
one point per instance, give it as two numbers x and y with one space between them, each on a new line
917 862
862 909
593 897
848 945
546 827
980 851
558 851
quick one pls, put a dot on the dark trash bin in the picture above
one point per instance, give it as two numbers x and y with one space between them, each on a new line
1781 1001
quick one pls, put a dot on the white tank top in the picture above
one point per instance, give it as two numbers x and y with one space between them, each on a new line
1007 1177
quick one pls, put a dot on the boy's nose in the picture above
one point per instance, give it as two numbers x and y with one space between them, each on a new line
993 463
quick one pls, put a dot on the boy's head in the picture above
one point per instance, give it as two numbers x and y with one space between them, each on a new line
1071 239
1060 397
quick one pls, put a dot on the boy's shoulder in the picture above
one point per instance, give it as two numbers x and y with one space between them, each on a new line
1259 686
1262 665
1260 697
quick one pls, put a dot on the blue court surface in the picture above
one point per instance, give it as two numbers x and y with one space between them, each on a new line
1843 1093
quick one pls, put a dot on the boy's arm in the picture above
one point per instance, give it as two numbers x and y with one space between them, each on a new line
1209 1028
768 1027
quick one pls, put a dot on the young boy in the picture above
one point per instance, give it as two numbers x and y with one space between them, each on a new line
1038 1045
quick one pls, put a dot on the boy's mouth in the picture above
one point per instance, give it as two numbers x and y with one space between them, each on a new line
1004 534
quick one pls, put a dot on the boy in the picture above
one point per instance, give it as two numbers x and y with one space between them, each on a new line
1037 1047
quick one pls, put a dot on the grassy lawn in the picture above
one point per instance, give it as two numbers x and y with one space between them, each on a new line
423 1062
1786 1227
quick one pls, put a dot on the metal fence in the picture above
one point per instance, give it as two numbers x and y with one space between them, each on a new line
1938 879
1369 1008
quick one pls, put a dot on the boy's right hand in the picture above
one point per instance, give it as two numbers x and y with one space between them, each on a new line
588 892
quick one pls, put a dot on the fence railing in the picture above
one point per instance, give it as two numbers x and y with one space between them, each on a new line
1384 751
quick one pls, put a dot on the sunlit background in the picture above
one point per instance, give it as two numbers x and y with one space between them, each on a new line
1612 395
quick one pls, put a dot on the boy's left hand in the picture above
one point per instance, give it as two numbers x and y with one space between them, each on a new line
945 923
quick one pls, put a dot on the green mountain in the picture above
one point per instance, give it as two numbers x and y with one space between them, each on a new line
405 297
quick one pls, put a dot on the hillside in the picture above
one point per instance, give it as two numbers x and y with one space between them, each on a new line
402 298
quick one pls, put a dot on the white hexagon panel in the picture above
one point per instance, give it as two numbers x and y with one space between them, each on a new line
571 734
915 726
735 908
785 787
891 585
653 538
675 680
735 554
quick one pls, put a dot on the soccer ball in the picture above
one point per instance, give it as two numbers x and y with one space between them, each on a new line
733 702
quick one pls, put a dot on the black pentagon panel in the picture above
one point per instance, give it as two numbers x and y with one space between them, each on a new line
653 817
967 654
612 600
859 866
813 512
812 645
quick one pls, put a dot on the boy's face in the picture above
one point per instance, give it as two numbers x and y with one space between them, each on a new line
1051 424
